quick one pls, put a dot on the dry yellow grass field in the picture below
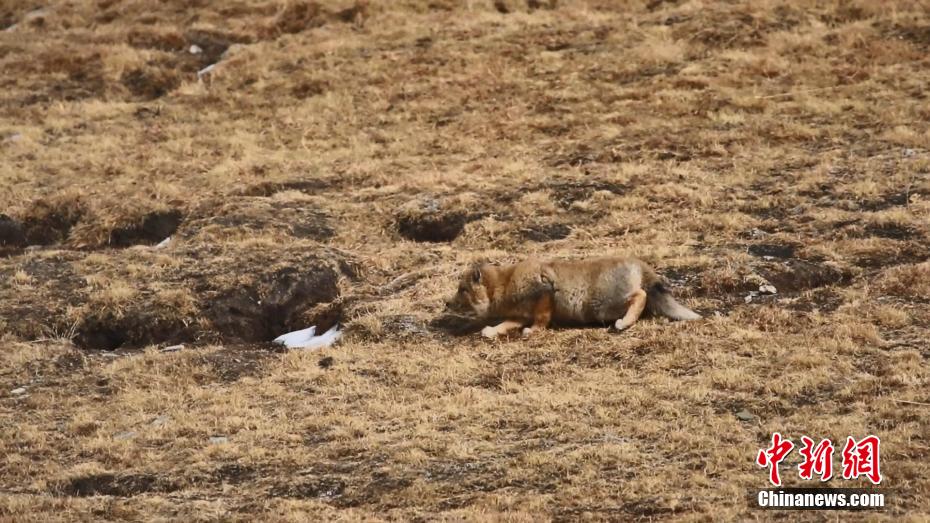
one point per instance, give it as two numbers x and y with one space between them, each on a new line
731 144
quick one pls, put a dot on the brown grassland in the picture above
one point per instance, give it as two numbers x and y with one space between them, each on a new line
343 162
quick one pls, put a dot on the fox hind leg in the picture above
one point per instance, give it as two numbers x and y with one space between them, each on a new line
542 315
635 305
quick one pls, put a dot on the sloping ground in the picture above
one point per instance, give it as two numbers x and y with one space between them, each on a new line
336 161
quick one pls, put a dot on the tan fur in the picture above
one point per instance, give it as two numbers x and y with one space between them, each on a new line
533 293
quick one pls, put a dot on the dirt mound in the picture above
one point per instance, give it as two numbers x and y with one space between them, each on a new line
429 221
251 295
123 485
154 227
273 304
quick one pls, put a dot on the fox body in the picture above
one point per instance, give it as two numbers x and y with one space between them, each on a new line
533 293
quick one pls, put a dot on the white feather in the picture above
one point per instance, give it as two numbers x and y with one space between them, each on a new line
294 339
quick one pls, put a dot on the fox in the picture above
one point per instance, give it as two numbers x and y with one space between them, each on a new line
535 292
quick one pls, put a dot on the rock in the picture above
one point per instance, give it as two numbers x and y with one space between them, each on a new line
907 153
122 436
18 391
194 49
218 440
162 244
767 289
745 415
160 420
173 348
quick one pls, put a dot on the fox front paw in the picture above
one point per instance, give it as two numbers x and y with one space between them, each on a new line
489 332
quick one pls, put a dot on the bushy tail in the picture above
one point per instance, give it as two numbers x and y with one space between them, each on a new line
660 302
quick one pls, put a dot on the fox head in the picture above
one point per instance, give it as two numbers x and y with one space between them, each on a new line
472 295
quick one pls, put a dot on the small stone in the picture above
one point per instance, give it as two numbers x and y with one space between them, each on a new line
162 244
748 298
767 289
744 415
195 49
159 421
173 348
122 436
909 152
218 440
18 391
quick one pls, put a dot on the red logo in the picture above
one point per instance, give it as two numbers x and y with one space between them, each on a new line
774 455
819 460
861 459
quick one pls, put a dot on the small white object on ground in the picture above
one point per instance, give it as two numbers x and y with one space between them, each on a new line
195 49
18 391
306 338
173 348
159 421
125 435
217 440
205 70
15 137
162 244
767 289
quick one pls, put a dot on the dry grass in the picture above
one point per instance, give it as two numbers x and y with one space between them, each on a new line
731 144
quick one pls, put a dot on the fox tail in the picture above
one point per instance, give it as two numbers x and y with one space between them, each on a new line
660 302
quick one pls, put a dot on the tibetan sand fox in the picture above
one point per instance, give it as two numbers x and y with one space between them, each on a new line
533 293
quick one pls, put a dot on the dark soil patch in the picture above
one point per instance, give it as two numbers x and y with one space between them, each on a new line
11 232
893 232
312 186
123 485
567 193
798 275
376 491
154 227
233 473
260 214
296 17
430 223
772 250
323 487
821 300
150 83
231 363
584 154
894 255
49 223
545 233
274 304
454 325
133 329
212 44
12 236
